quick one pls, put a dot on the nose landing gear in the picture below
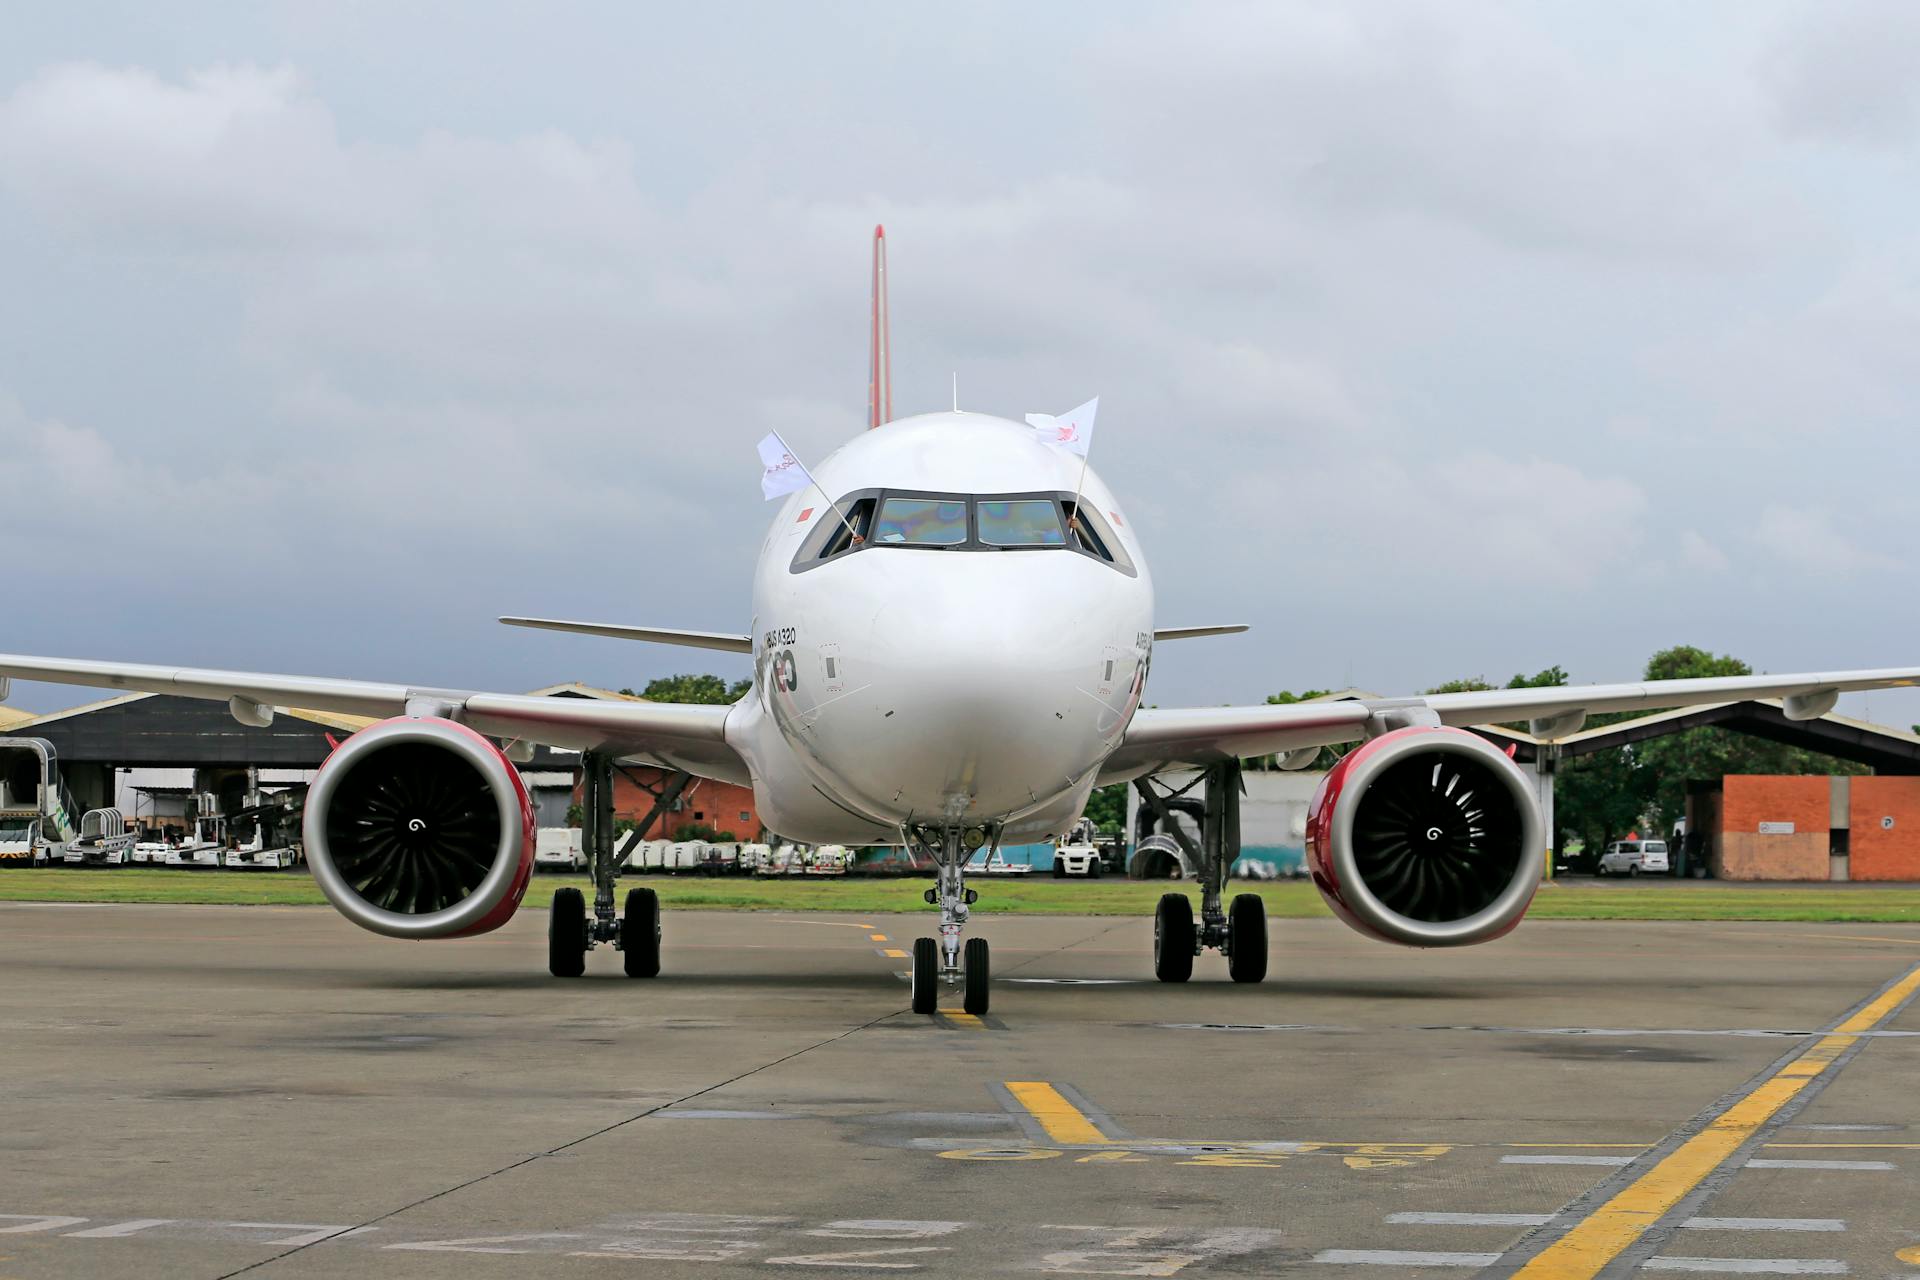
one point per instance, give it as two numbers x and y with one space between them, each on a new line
937 960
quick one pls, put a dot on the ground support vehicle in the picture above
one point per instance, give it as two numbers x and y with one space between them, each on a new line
1633 858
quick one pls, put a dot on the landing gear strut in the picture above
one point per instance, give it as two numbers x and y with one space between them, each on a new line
635 932
938 960
1239 932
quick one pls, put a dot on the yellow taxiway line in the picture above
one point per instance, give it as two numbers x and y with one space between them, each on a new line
1605 1233
1062 1121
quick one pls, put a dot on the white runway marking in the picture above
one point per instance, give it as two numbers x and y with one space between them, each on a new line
1405 1258
118 1230
1859 1166
1751 1266
1766 1224
1470 1219
1615 1162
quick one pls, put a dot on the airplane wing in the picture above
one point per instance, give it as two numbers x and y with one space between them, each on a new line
676 735
1167 738
1189 633
726 641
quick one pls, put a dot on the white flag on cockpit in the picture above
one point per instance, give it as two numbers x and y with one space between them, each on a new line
781 472
1072 431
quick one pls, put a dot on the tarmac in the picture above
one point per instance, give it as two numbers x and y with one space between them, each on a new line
206 1091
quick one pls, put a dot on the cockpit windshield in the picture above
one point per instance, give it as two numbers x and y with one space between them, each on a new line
1015 522
1021 522
922 522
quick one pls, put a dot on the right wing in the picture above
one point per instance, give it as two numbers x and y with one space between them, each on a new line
1167 738
675 735
726 641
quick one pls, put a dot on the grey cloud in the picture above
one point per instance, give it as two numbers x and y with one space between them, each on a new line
1848 71
1431 341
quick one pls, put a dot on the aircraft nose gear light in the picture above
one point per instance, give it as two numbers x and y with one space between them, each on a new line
939 959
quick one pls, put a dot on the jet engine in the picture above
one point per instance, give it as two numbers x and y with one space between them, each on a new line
1428 837
420 828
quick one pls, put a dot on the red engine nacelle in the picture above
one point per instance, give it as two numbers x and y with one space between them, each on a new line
1427 837
420 828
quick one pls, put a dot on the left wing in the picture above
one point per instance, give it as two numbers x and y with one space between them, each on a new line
726 641
1189 633
1159 739
676 735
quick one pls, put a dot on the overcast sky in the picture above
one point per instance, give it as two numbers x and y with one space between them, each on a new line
1432 340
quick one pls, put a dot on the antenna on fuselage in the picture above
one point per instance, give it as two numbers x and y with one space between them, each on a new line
880 360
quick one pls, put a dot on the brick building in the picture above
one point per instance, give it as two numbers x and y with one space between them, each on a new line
724 806
1802 828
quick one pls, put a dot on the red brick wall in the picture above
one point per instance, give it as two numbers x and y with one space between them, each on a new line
1747 800
715 804
1751 799
1877 852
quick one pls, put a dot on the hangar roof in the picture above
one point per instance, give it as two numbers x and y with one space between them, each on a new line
1885 749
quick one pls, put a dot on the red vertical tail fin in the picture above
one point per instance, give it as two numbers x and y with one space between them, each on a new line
880 359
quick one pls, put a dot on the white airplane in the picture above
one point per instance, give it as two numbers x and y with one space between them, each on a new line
950 655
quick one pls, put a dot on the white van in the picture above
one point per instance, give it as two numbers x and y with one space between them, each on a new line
558 849
1633 857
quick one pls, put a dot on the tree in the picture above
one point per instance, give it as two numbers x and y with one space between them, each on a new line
1709 753
691 688
1471 684
1107 806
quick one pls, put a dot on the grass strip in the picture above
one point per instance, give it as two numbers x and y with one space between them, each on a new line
1571 900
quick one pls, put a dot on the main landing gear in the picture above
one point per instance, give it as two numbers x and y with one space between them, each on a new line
937 960
635 932
1238 932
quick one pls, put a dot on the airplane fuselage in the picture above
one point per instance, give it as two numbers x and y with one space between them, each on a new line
969 659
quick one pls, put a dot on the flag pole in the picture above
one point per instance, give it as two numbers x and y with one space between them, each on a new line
1073 522
774 444
853 534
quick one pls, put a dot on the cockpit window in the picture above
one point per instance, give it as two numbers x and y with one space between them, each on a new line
1021 522
922 522
1091 535
910 520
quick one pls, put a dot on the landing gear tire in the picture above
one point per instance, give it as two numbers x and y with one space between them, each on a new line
1247 936
974 992
926 975
567 934
640 934
1173 938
